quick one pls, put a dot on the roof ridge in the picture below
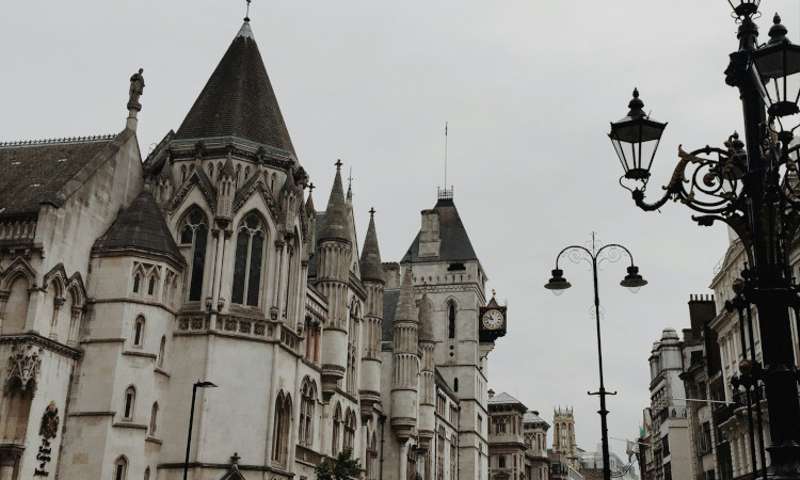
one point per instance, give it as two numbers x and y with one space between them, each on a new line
56 141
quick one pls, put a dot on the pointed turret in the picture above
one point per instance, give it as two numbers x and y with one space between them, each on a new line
372 277
371 267
238 100
336 225
406 308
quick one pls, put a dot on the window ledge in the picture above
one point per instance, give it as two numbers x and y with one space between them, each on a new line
130 425
151 439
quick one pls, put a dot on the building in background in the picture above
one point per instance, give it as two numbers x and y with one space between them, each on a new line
592 466
124 282
564 444
669 433
537 463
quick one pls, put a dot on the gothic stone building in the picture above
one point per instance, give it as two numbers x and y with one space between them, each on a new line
124 282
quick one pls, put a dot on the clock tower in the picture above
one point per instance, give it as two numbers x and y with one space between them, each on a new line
492 321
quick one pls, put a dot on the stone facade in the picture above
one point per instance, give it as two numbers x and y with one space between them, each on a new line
123 283
517 440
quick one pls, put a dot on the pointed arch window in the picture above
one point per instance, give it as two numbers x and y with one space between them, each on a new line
455 384
307 405
121 468
147 473
451 320
280 437
194 233
162 350
130 401
151 285
249 260
137 281
349 430
154 419
337 430
138 331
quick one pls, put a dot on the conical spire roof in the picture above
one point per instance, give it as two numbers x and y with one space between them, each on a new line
371 267
238 99
406 310
140 227
336 224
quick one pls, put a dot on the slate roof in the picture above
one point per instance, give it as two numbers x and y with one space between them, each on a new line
37 172
533 417
503 398
140 227
238 100
336 222
455 244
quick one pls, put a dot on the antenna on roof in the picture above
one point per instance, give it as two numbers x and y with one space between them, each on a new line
445 193
247 12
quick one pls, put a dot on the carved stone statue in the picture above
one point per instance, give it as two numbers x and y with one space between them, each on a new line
136 91
23 367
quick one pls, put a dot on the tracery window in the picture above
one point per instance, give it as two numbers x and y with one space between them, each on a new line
130 400
307 406
194 233
451 320
337 429
349 430
138 331
249 260
121 468
280 437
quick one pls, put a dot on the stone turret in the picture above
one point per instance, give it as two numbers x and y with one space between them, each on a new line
333 270
372 277
427 403
405 378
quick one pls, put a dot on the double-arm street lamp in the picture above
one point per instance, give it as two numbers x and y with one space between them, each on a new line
197 384
753 187
633 281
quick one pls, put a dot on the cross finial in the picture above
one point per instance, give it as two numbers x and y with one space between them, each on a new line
311 188
494 293
372 212
235 458
338 164
247 11
350 182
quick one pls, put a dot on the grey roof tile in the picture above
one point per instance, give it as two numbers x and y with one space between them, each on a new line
455 242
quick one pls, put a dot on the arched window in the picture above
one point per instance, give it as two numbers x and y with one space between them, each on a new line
16 306
249 260
151 285
307 405
455 384
154 419
337 429
121 468
130 401
451 320
194 233
349 430
138 331
280 437
162 350
147 473
137 282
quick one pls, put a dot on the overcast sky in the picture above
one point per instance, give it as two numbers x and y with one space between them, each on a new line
528 88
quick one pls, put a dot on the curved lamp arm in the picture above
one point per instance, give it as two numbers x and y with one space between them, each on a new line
574 247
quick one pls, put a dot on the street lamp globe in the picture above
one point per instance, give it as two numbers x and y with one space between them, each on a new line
633 281
635 139
557 283
778 63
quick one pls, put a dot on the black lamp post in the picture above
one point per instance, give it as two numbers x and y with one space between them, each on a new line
633 281
197 384
753 187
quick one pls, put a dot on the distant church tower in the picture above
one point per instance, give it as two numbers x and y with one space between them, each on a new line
564 434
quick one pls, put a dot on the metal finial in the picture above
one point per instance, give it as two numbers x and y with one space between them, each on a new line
311 188
372 212
338 164
247 11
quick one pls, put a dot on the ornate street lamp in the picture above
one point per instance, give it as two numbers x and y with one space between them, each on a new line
633 281
778 62
752 186
197 384
635 139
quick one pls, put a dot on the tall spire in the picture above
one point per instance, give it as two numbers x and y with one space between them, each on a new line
406 307
371 268
335 226
238 100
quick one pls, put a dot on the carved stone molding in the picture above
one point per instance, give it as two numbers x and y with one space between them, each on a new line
23 366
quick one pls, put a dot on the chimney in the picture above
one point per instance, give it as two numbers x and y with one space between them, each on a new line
702 310
429 240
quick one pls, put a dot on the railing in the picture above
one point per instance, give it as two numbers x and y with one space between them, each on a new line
17 230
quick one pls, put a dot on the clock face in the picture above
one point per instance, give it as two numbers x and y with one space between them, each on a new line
493 320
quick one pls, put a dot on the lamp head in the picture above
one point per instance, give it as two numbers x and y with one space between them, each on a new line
557 283
633 281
